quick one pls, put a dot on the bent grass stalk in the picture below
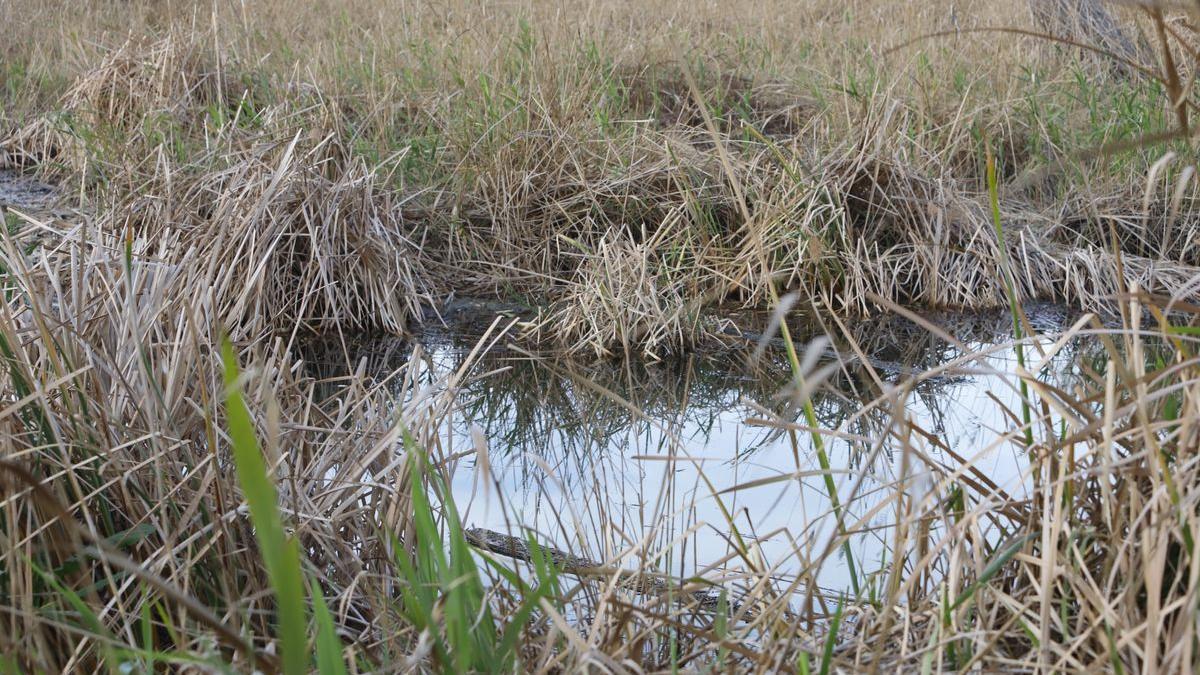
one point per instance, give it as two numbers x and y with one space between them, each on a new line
1010 289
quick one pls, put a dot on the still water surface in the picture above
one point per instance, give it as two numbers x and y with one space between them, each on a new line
604 456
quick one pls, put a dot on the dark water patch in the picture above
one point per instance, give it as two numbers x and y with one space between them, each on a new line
25 193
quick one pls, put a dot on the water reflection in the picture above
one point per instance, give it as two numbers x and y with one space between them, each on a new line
603 457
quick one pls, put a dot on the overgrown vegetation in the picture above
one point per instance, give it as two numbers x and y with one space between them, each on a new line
177 491
619 183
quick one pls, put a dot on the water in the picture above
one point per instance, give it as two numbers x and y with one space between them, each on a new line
25 193
603 457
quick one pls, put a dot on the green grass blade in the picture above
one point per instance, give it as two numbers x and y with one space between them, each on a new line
993 568
831 638
329 646
281 555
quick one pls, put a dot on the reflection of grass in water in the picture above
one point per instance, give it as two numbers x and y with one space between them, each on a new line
556 410
565 414
533 403
554 407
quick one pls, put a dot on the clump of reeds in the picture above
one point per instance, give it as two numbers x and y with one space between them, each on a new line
624 297
172 76
122 513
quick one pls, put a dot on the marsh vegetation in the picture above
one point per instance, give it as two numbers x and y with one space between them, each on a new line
876 323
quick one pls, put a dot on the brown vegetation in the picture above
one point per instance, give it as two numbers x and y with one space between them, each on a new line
274 173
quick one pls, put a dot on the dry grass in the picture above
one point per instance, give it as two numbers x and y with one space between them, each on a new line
122 426
489 161
119 382
274 173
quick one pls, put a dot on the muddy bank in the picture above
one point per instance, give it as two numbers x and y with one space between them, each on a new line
736 327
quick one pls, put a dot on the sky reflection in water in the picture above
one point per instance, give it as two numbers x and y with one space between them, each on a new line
598 456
